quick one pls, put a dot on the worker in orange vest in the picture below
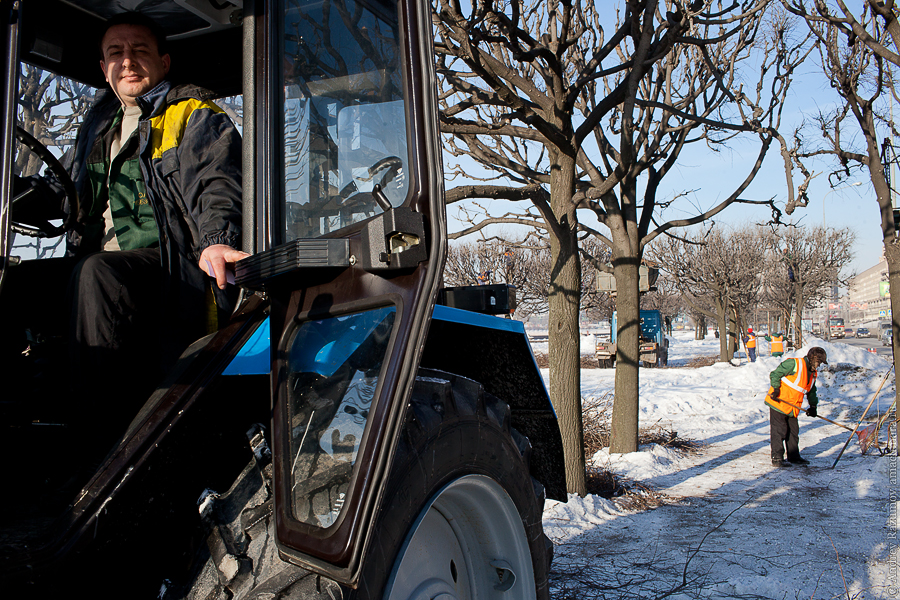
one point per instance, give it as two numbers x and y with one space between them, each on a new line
776 344
791 381
750 344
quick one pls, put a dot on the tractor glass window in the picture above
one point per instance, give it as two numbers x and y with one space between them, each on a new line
345 145
333 372
50 108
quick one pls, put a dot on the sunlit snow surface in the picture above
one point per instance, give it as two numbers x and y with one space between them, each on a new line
742 527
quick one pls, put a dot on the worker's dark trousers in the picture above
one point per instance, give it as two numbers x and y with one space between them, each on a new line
114 326
751 352
785 432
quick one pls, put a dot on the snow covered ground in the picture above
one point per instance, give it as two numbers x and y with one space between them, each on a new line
734 526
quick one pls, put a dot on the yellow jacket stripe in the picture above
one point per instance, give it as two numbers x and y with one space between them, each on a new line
167 129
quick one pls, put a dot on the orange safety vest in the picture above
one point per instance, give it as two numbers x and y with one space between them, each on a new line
777 344
751 341
793 389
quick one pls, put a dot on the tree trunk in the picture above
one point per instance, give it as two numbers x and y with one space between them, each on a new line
733 330
892 255
624 435
866 119
565 336
722 323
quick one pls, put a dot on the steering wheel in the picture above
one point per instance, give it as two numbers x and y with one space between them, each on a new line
39 225
392 167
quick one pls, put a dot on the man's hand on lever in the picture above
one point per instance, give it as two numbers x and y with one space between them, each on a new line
218 261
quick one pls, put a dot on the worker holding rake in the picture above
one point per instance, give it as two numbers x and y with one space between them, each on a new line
791 381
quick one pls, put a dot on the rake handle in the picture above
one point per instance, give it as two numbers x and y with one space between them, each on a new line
838 424
820 416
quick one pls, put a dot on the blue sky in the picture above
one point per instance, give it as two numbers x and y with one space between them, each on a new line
713 175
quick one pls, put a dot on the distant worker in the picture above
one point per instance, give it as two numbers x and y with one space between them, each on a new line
793 379
750 344
776 344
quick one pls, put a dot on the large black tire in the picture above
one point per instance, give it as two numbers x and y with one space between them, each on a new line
459 487
459 484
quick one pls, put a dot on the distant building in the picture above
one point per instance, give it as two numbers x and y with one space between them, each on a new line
870 293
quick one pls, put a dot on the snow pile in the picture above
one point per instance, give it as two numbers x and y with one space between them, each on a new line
738 527
540 344
650 461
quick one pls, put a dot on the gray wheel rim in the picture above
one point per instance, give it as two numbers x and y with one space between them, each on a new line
467 543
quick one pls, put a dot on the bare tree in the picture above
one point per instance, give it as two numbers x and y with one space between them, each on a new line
717 272
500 261
568 111
801 264
524 264
666 298
50 108
859 52
234 108
698 317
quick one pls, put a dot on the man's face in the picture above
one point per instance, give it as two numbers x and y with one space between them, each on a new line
131 62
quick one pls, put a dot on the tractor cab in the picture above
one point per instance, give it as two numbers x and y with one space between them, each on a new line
324 439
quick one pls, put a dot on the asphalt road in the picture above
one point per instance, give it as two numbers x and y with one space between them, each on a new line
867 343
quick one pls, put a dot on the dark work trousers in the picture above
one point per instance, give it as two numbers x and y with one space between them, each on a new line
785 433
114 327
751 352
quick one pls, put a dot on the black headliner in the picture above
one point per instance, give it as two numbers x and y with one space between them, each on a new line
63 36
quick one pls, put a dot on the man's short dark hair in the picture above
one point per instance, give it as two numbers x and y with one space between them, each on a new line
136 18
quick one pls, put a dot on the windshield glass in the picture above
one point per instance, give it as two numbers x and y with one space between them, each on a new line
345 145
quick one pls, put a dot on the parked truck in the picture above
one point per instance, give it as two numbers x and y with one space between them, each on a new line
344 434
654 346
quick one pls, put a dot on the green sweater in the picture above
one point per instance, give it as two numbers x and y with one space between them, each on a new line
789 367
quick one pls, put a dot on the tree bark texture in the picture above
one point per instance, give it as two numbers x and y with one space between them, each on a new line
625 426
565 335
722 323
892 255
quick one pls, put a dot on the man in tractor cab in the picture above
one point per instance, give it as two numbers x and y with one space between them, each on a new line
157 168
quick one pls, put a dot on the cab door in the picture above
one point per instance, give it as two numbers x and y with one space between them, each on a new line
351 241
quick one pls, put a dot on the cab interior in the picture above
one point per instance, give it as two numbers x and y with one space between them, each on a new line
57 443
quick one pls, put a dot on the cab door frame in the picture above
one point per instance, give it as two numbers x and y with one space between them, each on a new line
308 293
8 94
